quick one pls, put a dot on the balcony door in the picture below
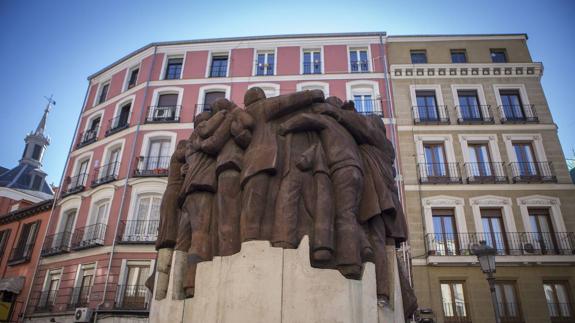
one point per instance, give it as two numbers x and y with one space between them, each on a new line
512 105
507 302
435 160
526 162
543 235
166 109
63 238
124 115
453 300
480 160
86 282
445 233
158 155
427 106
144 226
559 303
135 292
363 103
81 175
113 165
493 230
212 97
469 105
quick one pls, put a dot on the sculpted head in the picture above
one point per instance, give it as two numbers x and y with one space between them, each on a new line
223 104
205 115
334 101
253 95
349 106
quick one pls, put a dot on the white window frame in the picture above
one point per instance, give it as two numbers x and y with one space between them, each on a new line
263 51
49 273
80 274
127 100
447 141
211 55
66 208
522 94
315 49
167 56
493 202
426 87
324 86
107 152
444 202
99 92
86 156
541 202
105 194
148 137
480 96
359 48
91 118
129 72
269 88
167 90
536 142
212 88
493 146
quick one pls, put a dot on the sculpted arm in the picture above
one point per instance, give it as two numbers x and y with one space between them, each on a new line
207 128
302 122
214 144
285 104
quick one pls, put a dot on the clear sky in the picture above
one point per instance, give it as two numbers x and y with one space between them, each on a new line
50 47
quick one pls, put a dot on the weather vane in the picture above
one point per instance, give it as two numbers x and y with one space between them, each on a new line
51 102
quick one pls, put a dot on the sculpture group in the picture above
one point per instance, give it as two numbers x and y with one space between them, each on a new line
282 168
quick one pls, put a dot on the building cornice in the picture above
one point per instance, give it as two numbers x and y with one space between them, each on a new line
447 37
26 212
409 71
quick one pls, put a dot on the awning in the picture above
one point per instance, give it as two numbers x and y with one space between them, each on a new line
12 284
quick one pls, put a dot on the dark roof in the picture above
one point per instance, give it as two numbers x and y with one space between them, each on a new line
2 170
26 212
20 178
231 39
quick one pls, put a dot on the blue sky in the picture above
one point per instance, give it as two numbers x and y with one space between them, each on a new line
50 47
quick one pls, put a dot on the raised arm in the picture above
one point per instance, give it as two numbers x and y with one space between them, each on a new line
302 122
284 104
207 128
214 144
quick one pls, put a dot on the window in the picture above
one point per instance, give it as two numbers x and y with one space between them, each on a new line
493 230
144 224
4 235
25 245
124 115
526 163
112 166
453 300
174 68
498 56
511 104
158 155
435 160
37 152
469 107
543 236
458 56
81 294
103 92
63 238
219 67
37 182
426 106
418 57
211 97
558 300
363 103
91 133
507 302
445 234
265 63
480 160
82 174
132 77
134 294
166 110
48 295
100 213
358 60
312 61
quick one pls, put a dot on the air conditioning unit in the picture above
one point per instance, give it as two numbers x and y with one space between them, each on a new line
82 314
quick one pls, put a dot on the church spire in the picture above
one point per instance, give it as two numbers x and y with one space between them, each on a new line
37 141
42 125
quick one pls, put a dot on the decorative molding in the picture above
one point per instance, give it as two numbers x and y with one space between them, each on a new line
407 71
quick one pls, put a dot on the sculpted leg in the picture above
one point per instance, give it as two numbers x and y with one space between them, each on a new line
228 203
323 230
287 210
254 200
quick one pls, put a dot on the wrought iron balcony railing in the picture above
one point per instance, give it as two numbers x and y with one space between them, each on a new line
532 172
87 137
518 113
369 107
75 184
132 297
561 312
152 166
46 301
106 173
89 236
117 124
509 312
456 312
138 231
430 114
485 173
312 67
21 253
359 66
478 114
506 243
80 297
219 71
201 107
264 69
439 173
56 244
163 114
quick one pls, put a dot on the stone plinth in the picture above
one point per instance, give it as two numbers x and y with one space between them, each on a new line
262 284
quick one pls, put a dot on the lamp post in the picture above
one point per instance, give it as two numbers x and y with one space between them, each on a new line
486 256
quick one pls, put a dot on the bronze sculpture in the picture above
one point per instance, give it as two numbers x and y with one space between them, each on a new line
282 168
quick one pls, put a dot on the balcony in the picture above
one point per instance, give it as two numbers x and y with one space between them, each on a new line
430 115
87 137
46 301
506 244
368 107
532 172
359 66
518 114
152 166
117 124
438 173
163 114
89 236
132 297
80 297
312 67
480 114
21 254
485 173
74 184
105 174
560 312
509 312
56 244
138 231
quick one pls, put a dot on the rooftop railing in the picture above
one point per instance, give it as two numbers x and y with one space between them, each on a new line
152 166
439 173
138 231
163 114
430 114
89 236
477 114
532 172
524 113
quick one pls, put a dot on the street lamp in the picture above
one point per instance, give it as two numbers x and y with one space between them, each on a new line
486 256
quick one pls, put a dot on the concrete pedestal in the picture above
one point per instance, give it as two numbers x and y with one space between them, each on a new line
262 284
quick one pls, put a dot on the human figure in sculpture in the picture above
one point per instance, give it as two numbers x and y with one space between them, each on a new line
261 156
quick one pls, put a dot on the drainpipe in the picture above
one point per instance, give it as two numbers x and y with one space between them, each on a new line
126 183
56 198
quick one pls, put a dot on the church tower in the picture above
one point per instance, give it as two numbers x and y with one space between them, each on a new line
37 142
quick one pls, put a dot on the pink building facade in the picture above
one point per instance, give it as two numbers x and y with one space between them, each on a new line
98 249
